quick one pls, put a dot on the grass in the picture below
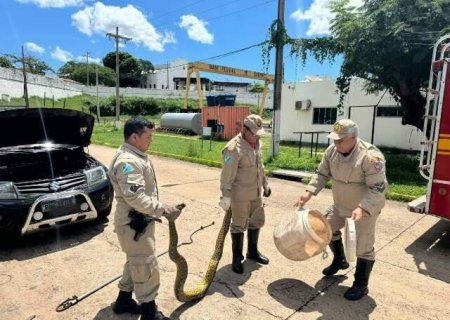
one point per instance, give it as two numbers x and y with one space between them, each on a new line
75 103
405 182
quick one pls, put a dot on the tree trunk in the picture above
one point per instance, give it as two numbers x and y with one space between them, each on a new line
413 107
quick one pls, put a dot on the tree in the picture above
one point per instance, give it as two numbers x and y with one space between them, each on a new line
129 72
130 68
145 66
257 87
386 42
32 65
77 71
5 63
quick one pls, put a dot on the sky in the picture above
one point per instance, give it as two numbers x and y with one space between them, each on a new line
161 31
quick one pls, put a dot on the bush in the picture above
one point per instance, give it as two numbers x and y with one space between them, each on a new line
139 106
193 150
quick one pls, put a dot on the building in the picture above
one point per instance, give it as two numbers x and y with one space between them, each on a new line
172 76
164 75
310 106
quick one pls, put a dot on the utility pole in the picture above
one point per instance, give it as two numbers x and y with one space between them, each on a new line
167 87
98 102
25 86
278 83
117 36
87 68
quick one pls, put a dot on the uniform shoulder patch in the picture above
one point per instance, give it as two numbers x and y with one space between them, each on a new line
232 145
376 160
228 158
127 168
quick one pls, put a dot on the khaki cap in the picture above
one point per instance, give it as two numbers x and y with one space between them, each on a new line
342 129
255 124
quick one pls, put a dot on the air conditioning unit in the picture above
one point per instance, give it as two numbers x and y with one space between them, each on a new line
303 105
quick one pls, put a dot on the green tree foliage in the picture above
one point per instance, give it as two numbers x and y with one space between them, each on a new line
387 42
140 106
145 66
5 63
32 64
257 87
130 68
78 71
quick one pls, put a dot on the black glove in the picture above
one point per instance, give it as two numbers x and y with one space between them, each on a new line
267 192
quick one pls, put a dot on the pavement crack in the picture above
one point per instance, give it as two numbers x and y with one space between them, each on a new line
111 242
318 294
400 234
185 183
230 288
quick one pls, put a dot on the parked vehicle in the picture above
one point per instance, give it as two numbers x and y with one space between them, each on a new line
47 180
435 152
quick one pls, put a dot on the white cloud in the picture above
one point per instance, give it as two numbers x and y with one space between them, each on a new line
101 19
33 47
54 3
196 29
319 16
91 59
61 55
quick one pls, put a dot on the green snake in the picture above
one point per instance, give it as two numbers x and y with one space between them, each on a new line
182 267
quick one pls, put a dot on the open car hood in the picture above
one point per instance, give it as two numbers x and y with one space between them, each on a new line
40 125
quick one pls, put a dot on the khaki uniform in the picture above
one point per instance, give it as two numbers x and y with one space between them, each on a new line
358 180
134 182
242 180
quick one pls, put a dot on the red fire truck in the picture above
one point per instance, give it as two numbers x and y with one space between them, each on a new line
435 149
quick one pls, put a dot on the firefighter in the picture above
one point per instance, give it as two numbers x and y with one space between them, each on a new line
133 178
242 182
357 172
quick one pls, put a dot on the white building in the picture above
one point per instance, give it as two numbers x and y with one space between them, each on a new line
172 76
165 75
310 106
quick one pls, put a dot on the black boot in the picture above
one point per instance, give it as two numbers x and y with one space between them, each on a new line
339 261
237 240
150 312
362 274
125 304
252 252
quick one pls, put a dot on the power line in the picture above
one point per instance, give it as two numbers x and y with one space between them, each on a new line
225 15
223 55
245 9
176 10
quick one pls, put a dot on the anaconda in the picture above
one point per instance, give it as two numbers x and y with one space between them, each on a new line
182 267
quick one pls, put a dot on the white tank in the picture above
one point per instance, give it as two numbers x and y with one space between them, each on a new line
302 234
188 121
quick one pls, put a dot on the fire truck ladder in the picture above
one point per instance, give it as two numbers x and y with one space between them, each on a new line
433 107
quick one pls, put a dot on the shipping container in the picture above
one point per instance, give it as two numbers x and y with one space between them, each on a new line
226 122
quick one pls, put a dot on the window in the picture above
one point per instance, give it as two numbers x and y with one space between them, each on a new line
324 115
389 111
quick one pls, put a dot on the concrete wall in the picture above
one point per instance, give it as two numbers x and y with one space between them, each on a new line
242 98
11 84
388 131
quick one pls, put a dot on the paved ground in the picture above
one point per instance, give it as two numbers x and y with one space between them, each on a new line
410 279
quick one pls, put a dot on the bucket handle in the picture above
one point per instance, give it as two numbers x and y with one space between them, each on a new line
307 227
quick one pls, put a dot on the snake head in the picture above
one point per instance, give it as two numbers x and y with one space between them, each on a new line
181 206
